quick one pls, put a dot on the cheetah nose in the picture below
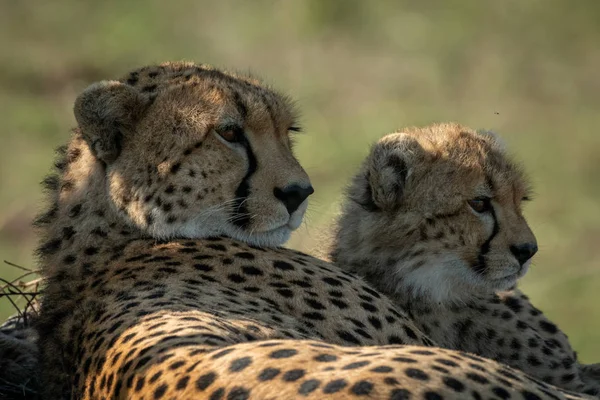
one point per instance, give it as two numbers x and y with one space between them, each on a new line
293 195
524 251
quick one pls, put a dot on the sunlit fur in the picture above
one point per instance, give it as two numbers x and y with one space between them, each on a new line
148 145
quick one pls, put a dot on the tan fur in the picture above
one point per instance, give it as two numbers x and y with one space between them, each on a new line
132 310
408 228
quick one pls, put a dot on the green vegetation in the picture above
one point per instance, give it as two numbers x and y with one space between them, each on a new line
528 69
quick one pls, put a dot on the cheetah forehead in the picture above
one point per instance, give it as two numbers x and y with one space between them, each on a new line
242 98
450 154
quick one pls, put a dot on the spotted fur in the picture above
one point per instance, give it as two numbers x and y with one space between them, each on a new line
411 227
143 308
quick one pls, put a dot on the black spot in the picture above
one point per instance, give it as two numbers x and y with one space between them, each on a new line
399 394
355 365
409 332
205 380
221 353
382 369
477 378
375 322
182 383
514 304
332 281
362 388
326 358
217 394
203 267
308 386
515 344
453 384
51 246
238 393
250 270
236 278
404 360
245 255
432 396
446 362
567 378
160 391
339 304
287 293
293 375
284 353
348 337
335 386
368 307
282 265
393 339
416 374
533 361
140 383
218 247
240 364
268 373
314 304
500 392
315 316
90 251
75 211
548 327
149 88
530 396
175 168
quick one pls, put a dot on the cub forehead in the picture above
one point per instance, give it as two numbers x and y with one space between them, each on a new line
455 158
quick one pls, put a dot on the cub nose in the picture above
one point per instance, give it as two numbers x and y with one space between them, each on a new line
524 251
292 196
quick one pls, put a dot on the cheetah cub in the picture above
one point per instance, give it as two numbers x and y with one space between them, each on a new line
434 220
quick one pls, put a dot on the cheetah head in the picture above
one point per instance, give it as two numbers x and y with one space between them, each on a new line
189 151
436 212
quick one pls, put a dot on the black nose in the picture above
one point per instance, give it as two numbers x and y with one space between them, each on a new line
524 251
292 196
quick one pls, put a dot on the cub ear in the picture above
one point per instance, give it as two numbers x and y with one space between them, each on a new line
105 112
386 172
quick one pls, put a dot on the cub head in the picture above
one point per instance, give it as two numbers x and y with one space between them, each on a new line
436 212
190 151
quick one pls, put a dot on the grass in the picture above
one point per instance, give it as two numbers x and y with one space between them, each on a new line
358 70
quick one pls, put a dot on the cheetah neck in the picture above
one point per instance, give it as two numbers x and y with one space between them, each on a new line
400 268
80 223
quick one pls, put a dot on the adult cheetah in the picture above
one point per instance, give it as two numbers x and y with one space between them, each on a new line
434 221
143 302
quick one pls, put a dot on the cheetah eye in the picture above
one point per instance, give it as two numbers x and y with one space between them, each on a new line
231 135
480 204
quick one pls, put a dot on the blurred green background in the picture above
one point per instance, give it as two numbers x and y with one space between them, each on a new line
358 69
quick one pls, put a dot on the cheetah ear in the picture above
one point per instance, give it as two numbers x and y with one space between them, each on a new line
105 112
493 138
388 168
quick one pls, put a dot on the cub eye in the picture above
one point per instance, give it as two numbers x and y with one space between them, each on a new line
231 135
480 204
